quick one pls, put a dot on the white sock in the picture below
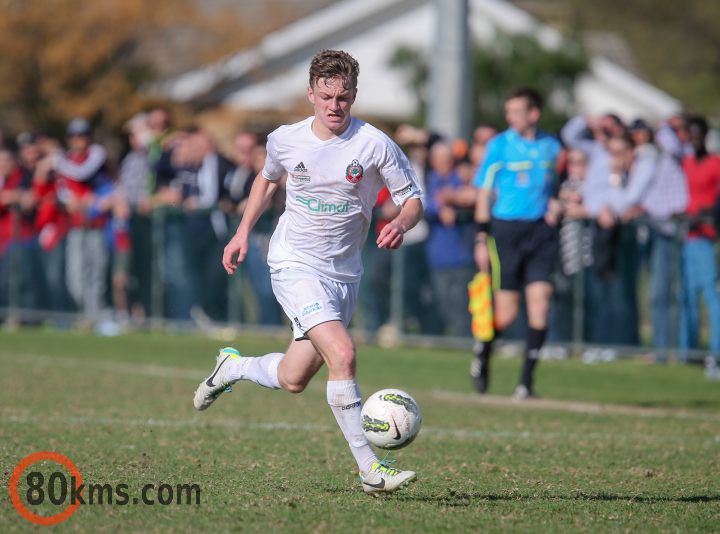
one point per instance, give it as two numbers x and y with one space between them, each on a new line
262 370
346 403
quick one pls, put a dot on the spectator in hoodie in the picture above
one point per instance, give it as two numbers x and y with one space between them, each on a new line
83 189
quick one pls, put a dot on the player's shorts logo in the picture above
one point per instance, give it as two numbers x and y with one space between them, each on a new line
311 308
354 172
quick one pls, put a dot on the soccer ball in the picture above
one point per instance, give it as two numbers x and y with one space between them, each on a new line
391 419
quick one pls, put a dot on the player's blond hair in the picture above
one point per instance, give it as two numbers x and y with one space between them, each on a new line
334 64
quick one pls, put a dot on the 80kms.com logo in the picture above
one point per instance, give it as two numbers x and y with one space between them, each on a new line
57 490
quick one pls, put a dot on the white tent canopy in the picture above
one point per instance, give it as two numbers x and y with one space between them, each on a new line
273 75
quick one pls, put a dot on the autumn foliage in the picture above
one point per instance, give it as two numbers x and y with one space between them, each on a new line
64 58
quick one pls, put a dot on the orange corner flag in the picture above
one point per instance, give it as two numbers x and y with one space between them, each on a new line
480 290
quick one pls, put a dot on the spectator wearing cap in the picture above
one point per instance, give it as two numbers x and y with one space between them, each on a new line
666 197
83 182
28 154
698 262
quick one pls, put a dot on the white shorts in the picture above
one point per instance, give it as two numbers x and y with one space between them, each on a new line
310 299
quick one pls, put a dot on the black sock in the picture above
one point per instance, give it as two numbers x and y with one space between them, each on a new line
482 351
535 339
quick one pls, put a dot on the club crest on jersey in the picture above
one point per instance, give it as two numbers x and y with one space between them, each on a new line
354 172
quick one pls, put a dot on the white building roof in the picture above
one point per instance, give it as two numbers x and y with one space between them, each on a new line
273 75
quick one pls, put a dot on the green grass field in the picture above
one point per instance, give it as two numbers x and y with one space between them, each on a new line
628 447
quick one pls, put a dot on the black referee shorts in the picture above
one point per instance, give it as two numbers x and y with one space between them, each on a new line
526 251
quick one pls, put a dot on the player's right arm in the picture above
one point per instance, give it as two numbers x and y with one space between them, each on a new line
260 195
484 182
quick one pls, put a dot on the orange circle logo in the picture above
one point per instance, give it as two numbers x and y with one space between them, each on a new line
15 480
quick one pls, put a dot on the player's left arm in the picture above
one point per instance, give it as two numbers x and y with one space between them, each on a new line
391 236
405 191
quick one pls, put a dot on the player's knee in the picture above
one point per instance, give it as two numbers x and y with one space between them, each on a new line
537 314
345 358
294 388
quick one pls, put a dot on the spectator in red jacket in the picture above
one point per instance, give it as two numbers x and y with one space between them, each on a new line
17 241
699 264
50 225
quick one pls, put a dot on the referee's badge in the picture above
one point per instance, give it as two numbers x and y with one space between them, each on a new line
354 172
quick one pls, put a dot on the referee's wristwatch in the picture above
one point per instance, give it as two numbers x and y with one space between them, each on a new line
481 238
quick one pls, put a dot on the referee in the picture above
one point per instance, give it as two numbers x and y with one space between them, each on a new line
518 240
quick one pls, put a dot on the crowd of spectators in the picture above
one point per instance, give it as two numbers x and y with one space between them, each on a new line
630 195
147 236
77 235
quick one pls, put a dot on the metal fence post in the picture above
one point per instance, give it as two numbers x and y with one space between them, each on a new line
235 304
397 297
579 291
675 274
157 288
14 277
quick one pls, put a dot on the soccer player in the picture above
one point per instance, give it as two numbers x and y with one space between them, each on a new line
519 168
336 166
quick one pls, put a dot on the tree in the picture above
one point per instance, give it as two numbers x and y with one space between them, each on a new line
66 58
676 44
511 61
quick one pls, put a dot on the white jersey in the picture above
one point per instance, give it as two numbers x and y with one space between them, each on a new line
332 187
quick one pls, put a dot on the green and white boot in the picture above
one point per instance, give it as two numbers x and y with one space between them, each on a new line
215 385
385 479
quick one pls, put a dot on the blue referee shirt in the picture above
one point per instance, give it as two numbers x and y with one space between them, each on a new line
522 173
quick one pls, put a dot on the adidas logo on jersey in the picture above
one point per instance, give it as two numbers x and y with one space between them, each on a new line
300 168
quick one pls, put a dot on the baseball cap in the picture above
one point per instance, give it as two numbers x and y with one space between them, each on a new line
25 139
639 124
78 126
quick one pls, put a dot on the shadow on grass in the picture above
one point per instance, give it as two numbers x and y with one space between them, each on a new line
706 404
453 499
